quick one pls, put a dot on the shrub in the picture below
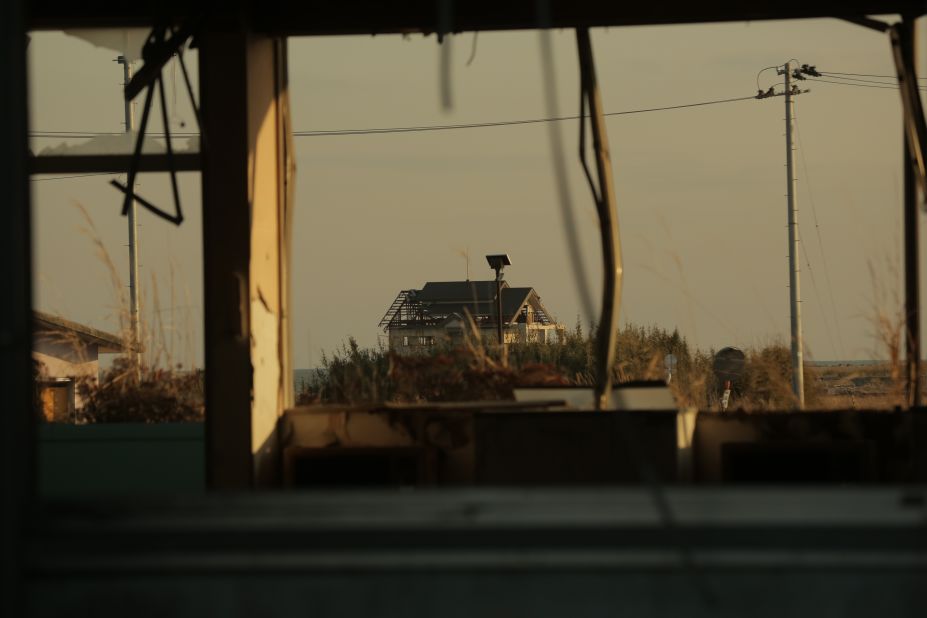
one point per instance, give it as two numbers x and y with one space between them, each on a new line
158 396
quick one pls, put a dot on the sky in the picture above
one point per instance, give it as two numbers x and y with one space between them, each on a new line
700 191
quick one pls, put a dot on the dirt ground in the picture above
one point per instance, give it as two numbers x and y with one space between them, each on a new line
858 386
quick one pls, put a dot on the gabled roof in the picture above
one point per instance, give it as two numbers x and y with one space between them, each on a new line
48 324
439 299
457 291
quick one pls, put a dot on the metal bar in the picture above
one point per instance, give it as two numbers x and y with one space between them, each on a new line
170 151
156 56
868 22
311 17
914 125
798 377
911 286
500 333
608 224
17 420
911 250
112 163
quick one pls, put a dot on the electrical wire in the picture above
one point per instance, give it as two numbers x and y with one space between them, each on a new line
885 87
760 73
92 134
413 129
817 294
473 49
480 125
817 229
835 73
561 177
893 82
74 176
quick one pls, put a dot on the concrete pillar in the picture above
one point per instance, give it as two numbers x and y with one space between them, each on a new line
247 189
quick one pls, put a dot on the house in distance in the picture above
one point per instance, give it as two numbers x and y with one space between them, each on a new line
66 352
439 313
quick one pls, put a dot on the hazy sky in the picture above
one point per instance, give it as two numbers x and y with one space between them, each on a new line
701 191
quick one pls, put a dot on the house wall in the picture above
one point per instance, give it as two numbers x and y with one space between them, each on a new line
538 333
407 339
66 360
441 334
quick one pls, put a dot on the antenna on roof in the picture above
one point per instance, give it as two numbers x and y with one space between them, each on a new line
465 254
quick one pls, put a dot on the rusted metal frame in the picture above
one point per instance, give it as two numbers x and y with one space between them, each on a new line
912 289
112 163
607 335
157 52
868 22
915 127
163 42
915 178
315 17
903 40
17 421
902 36
226 258
128 188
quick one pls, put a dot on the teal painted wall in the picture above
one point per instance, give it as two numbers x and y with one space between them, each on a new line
121 459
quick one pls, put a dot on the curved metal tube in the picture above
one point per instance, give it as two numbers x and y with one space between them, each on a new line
607 334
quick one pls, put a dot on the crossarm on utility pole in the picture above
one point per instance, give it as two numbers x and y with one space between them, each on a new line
606 208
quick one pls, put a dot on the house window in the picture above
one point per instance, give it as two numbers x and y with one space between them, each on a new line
426 340
405 341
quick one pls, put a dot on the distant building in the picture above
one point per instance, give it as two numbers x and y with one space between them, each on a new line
440 313
66 352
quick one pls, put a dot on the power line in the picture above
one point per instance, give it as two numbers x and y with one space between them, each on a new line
835 73
886 87
88 134
817 294
414 129
893 82
74 176
817 229
479 125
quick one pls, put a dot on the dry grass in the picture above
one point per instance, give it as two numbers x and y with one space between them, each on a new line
475 371
155 388
157 396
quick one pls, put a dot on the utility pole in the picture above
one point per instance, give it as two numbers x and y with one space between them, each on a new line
798 380
133 238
